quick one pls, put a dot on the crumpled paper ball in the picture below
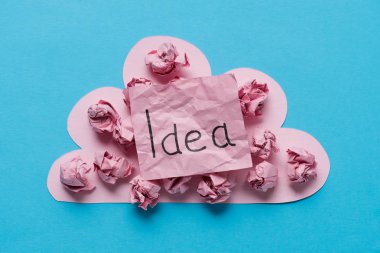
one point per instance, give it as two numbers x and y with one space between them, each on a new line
176 184
165 59
102 117
144 192
134 82
73 175
215 187
123 132
263 143
252 96
110 167
301 165
263 176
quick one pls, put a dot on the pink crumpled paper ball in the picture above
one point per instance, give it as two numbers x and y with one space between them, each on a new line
215 187
123 132
144 192
110 167
176 184
301 165
105 119
252 96
263 176
134 82
102 117
73 175
263 143
165 59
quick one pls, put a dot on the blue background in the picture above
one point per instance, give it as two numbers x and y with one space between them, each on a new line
325 55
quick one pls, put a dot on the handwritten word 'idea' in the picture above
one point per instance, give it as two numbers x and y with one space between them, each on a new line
190 137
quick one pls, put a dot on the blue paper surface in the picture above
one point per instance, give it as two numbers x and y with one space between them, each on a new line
324 54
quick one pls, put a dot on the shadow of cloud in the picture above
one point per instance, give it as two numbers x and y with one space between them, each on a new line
217 209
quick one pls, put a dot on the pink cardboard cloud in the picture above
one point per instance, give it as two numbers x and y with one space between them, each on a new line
273 116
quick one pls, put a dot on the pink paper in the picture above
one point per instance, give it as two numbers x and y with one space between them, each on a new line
190 127
165 59
272 118
134 65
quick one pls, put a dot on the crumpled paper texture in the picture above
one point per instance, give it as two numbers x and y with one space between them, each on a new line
176 185
123 132
199 104
73 175
263 176
102 117
144 192
134 82
301 165
110 167
105 119
252 96
263 144
215 187
165 59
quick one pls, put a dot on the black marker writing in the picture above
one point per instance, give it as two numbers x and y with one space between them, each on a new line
150 133
187 141
224 126
178 151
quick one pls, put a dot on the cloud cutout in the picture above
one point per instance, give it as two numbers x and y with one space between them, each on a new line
274 114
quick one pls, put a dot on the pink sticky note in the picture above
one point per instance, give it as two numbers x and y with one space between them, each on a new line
194 126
